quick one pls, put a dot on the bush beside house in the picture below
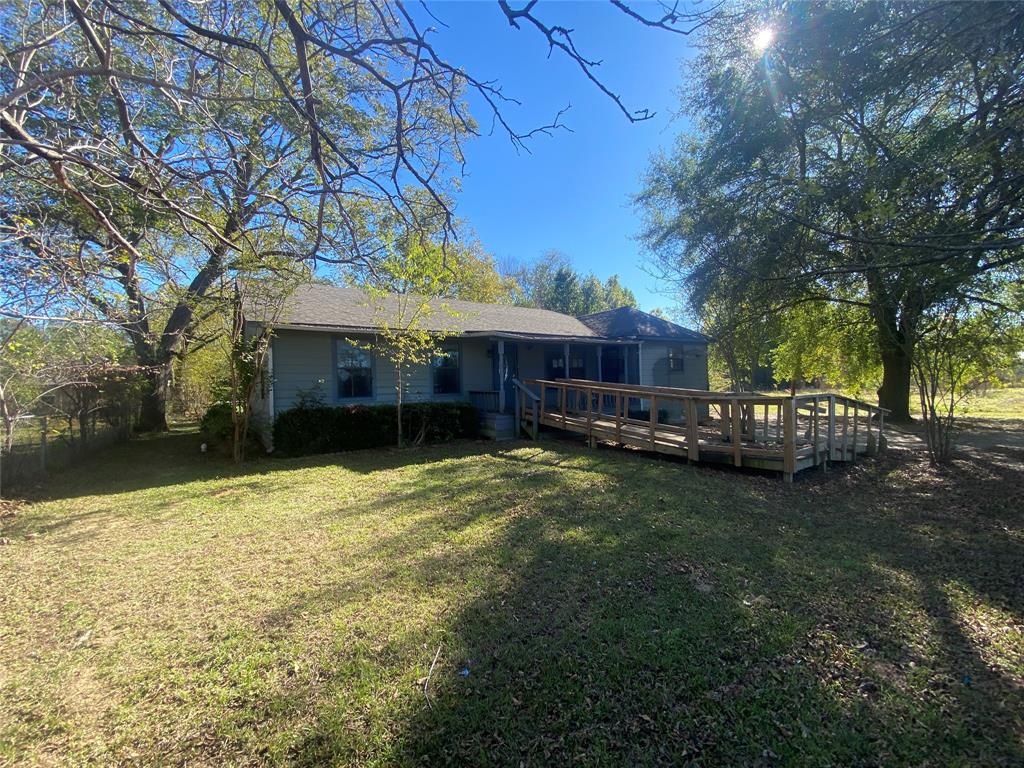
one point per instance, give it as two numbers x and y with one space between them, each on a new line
309 429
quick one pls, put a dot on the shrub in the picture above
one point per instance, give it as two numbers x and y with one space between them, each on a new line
219 431
311 428
216 424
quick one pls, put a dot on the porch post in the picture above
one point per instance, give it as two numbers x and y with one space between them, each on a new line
566 369
501 375
600 349
640 367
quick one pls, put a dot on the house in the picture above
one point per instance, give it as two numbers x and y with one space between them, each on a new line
321 342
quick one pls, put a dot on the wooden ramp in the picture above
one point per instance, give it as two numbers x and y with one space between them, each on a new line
785 434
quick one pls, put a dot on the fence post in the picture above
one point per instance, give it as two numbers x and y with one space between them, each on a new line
855 413
519 412
654 420
618 417
814 430
42 444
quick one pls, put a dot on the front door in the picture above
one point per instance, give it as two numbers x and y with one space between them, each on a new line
511 371
613 364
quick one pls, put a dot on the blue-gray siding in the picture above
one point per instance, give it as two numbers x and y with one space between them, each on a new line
304 361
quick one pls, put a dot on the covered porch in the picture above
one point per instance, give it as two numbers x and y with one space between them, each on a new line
517 358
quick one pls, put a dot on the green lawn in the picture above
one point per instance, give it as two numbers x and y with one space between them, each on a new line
996 403
1003 403
593 606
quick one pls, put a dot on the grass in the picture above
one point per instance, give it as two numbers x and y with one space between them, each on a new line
158 606
1001 403
996 403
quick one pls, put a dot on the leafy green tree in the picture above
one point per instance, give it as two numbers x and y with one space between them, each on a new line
825 344
262 294
866 158
413 318
477 278
146 147
552 283
200 372
616 294
740 357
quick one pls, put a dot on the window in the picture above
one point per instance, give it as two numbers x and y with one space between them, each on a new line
556 365
446 370
355 371
675 358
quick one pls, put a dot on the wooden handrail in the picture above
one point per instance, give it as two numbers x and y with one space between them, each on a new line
522 392
702 394
520 385
796 433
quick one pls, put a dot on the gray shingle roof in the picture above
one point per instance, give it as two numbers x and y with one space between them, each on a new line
330 306
630 323
333 307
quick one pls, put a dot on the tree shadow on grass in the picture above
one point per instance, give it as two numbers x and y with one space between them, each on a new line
175 459
613 609
629 617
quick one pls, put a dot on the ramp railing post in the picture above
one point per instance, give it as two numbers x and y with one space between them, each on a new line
789 438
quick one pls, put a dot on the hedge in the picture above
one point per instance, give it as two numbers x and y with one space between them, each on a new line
309 429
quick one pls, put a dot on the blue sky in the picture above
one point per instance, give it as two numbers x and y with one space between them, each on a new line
572 192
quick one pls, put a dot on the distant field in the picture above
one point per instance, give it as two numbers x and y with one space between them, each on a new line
995 403
1003 403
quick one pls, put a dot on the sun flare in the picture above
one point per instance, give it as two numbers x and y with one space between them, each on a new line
763 38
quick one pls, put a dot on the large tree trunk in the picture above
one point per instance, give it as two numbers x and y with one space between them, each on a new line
153 413
894 394
895 319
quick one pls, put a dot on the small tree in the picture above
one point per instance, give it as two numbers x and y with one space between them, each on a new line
412 319
264 295
960 352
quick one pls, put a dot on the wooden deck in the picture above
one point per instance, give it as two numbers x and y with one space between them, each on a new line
785 434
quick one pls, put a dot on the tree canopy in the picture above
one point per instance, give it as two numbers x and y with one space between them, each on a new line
552 283
149 149
869 157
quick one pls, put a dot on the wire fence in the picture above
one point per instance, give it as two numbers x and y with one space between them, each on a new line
40 445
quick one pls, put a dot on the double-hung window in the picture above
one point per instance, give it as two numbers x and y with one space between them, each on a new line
675 359
446 370
354 370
